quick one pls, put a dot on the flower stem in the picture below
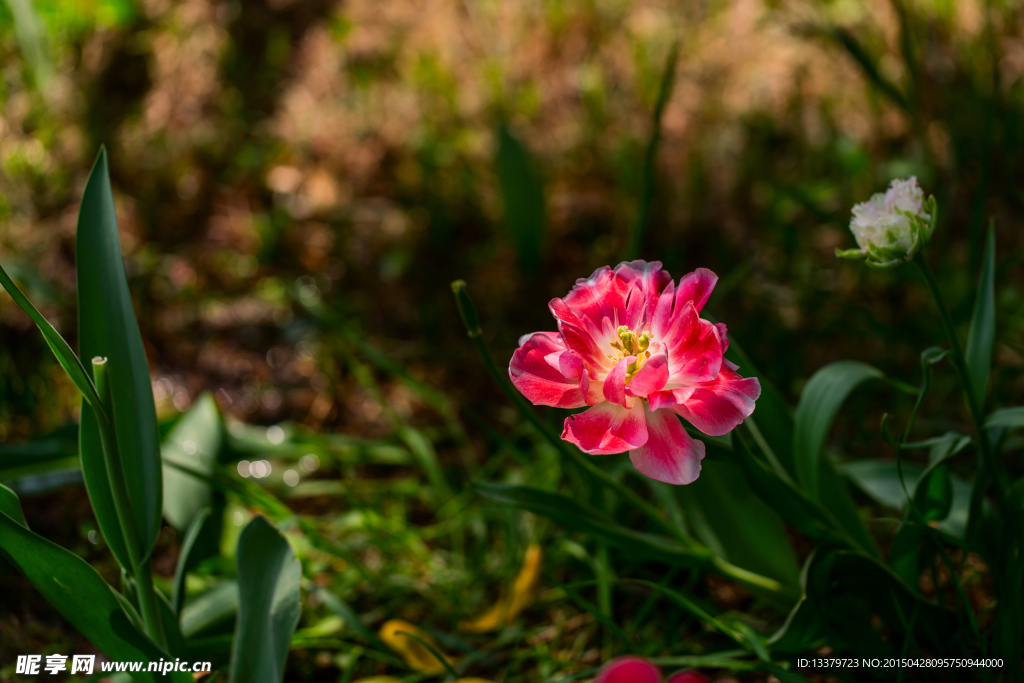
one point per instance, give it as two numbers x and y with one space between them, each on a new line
140 567
957 356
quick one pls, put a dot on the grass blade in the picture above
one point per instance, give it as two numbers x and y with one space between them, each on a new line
65 356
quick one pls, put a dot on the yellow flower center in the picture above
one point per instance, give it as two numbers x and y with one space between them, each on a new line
631 344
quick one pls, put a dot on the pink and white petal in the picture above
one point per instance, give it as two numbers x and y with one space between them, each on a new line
670 454
602 295
607 428
546 373
670 398
593 389
696 287
651 377
661 314
651 279
582 343
716 407
628 670
694 348
723 334
615 383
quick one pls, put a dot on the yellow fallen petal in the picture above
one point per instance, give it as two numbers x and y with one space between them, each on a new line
509 606
415 654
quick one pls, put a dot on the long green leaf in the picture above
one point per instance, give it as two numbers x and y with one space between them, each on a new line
199 544
79 593
729 517
1009 418
196 442
819 403
568 513
107 327
269 577
523 196
65 356
981 337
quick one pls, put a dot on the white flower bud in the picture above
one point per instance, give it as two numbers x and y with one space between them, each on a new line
892 227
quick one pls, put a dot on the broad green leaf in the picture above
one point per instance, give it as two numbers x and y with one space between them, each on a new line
522 194
788 501
879 479
980 338
75 590
819 403
1007 418
835 496
729 518
201 542
107 328
65 356
195 442
269 604
570 514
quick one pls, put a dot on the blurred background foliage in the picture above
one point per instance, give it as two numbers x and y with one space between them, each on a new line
297 183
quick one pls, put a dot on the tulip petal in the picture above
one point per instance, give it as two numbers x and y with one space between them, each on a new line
651 377
670 454
628 670
615 383
607 428
694 348
546 372
696 287
716 407
649 276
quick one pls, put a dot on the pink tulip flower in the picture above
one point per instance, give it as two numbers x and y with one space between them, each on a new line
631 669
632 345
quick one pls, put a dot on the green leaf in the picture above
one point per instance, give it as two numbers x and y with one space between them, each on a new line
572 515
195 442
522 194
786 498
980 338
11 506
1007 418
201 542
729 518
107 328
819 403
79 593
269 604
879 479
65 356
